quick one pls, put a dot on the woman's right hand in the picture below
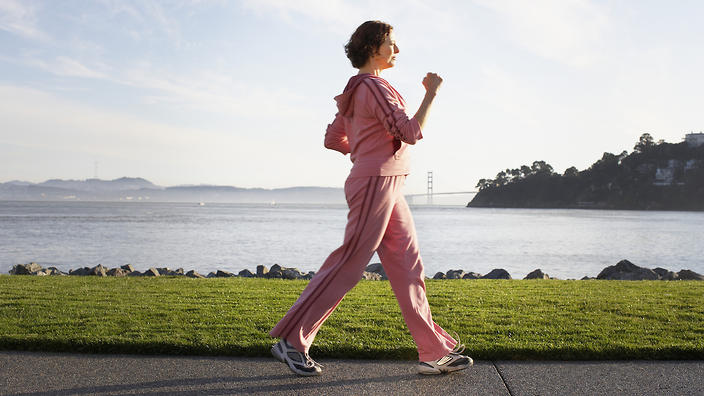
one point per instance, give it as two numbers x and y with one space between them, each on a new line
432 82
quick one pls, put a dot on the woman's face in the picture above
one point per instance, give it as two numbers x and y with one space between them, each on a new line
386 56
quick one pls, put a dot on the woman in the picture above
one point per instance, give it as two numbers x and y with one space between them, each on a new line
373 127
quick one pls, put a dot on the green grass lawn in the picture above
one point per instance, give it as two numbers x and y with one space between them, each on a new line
496 319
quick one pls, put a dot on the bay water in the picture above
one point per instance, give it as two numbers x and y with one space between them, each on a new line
565 243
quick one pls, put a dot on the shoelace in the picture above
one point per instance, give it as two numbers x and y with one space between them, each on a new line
459 347
311 363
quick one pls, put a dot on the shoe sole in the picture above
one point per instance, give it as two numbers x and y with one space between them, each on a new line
445 370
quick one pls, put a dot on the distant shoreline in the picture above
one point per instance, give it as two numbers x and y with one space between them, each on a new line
140 189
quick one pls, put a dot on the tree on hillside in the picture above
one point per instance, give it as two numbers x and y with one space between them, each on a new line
500 179
515 174
541 168
615 181
571 172
484 183
644 143
607 164
525 171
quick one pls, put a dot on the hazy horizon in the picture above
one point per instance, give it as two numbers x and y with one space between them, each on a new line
156 184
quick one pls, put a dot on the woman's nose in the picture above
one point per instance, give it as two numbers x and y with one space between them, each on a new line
396 50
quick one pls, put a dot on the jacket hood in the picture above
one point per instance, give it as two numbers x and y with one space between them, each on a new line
344 100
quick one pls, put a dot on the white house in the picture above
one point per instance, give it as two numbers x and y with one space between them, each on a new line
666 176
694 139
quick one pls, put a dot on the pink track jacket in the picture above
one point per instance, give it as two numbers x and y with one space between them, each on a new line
373 126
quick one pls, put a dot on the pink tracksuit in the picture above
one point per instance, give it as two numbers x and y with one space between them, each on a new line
371 125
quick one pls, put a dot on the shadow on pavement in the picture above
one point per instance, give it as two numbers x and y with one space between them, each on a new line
228 385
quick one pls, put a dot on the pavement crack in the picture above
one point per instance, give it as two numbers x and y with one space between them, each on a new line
508 389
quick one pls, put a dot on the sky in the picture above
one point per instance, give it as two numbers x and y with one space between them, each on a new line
240 92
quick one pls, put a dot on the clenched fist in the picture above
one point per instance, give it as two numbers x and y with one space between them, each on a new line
432 82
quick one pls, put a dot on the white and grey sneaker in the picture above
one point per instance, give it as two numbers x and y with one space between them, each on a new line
300 363
453 361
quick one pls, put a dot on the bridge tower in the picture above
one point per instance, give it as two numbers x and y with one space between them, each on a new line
430 188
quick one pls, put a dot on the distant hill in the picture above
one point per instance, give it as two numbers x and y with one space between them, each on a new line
121 184
139 189
655 176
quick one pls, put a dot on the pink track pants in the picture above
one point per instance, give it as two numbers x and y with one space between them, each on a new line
379 220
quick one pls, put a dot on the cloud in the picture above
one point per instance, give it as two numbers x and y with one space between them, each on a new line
203 90
46 119
147 18
36 119
342 17
567 31
65 66
62 66
335 14
20 18
211 91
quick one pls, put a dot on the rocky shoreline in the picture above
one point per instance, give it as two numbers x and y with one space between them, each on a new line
624 270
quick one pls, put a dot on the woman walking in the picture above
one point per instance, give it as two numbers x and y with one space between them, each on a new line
373 127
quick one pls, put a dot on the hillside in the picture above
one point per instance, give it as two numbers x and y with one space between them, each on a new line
655 176
138 189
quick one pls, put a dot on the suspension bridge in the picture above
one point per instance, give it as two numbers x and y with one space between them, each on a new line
427 198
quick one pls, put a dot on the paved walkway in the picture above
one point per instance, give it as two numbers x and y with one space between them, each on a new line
30 373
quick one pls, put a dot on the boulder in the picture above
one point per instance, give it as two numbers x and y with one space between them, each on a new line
689 275
439 275
194 274
625 270
55 271
80 271
119 272
245 273
665 274
370 276
42 272
309 275
224 274
211 275
454 274
291 273
134 273
378 269
537 274
262 270
163 270
497 273
274 272
588 278
25 269
170 272
151 272
472 275
98 270
127 267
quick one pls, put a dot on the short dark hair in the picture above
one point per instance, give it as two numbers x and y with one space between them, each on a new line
365 41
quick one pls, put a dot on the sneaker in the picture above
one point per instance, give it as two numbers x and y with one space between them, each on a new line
453 361
300 363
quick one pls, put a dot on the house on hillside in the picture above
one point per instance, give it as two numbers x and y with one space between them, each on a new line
666 176
694 139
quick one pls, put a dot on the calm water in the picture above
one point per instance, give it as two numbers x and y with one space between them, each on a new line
563 243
